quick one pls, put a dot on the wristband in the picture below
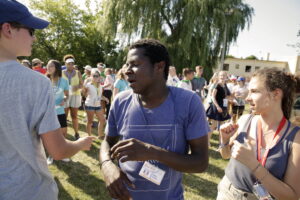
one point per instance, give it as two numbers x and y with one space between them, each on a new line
222 145
101 164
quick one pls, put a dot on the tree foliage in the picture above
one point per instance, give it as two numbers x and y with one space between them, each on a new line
191 29
252 57
72 31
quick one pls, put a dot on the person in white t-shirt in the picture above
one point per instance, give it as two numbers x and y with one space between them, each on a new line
240 93
188 75
173 79
93 92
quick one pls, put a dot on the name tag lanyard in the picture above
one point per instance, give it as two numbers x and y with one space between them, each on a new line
263 159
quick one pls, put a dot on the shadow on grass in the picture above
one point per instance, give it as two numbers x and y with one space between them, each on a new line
199 186
63 194
79 176
94 151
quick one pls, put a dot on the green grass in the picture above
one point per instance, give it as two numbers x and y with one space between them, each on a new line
81 178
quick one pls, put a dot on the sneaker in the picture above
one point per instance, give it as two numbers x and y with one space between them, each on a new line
49 160
77 136
66 159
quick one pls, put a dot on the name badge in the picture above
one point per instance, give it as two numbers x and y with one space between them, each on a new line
260 192
152 173
225 102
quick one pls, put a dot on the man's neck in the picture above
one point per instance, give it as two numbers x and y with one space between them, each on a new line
6 55
155 96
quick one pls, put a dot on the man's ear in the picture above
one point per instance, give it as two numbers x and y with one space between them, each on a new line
6 30
160 66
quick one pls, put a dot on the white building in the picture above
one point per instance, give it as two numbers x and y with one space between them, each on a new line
245 67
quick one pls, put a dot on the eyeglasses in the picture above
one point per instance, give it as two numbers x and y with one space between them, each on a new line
18 25
95 76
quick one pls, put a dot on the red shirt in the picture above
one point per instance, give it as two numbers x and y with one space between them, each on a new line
39 69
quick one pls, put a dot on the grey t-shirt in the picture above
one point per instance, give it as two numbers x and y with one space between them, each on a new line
26 111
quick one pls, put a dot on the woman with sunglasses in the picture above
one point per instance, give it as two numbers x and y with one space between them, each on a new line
264 149
93 92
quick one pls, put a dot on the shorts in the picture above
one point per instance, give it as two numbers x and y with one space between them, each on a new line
62 120
74 101
226 191
92 108
238 110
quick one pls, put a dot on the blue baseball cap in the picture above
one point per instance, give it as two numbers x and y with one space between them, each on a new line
13 11
241 78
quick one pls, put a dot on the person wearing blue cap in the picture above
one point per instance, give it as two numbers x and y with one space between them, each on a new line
240 92
28 119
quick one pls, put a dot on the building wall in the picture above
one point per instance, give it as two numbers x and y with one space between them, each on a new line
243 67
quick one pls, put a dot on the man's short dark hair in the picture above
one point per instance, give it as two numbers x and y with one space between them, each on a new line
155 51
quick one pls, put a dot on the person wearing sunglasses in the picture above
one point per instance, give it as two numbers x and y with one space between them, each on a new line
28 121
93 92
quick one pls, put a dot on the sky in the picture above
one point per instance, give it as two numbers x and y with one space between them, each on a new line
275 24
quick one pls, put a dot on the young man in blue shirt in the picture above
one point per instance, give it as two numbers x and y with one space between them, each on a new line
150 130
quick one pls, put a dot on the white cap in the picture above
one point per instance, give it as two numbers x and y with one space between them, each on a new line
88 67
70 60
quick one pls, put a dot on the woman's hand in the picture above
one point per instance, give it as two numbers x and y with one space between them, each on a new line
245 153
227 130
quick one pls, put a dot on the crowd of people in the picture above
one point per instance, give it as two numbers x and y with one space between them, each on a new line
157 125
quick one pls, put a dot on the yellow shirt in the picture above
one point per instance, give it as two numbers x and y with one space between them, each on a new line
73 81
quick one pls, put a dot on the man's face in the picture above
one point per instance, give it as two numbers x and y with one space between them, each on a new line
199 71
140 71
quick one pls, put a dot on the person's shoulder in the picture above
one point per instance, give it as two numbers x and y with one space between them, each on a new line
124 96
63 80
180 93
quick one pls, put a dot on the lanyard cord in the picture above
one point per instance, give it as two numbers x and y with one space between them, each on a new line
263 160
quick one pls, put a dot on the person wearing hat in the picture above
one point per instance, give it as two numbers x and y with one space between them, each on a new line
240 92
87 72
28 121
75 84
26 63
37 65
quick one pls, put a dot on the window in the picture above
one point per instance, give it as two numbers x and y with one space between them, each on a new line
226 67
237 66
248 68
257 68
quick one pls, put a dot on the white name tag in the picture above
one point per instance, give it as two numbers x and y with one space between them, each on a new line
152 173
225 102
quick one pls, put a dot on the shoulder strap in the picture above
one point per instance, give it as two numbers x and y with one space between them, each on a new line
247 123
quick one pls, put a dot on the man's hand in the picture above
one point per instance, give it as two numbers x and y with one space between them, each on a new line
115 181
132 150
86 142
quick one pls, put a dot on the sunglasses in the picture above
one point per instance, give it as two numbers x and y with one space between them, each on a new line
95 76
17 25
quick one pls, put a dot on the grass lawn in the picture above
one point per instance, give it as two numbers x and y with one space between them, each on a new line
81 178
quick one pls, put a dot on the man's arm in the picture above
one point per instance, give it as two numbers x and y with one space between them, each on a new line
58 147
113 176
135 150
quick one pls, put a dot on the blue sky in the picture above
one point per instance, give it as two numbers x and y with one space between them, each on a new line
274 25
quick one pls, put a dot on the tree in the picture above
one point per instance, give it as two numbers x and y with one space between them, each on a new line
191 29
72 31
252 57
